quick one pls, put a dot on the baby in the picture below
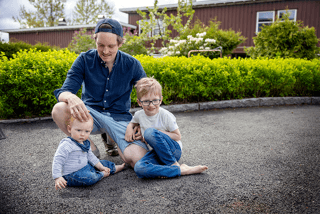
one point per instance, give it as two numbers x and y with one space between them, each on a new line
74 164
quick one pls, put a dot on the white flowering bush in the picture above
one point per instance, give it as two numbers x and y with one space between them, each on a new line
177 47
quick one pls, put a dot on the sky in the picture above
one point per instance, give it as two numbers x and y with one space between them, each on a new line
9 8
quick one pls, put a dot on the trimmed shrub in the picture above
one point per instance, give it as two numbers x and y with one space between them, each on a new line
28 80
200 79
12 48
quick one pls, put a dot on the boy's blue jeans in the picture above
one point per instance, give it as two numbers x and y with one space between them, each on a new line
88 175
158 162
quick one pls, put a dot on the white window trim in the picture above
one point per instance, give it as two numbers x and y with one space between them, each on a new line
257 20
295 13
278 13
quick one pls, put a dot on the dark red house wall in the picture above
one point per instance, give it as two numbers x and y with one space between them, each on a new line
60 38
242 17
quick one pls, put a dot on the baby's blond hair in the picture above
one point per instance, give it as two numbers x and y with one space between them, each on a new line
147 85
72 118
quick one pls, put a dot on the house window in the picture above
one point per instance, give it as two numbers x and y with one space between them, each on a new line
156 29
264 18
268 17
292 17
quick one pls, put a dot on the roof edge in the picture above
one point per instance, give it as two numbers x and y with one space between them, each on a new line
197 4
56 28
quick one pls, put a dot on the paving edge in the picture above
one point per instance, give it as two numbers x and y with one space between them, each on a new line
243 103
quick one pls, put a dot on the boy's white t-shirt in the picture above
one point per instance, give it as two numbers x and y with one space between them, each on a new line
163 120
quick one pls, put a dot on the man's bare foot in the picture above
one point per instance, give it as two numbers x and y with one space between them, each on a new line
120 167
188 170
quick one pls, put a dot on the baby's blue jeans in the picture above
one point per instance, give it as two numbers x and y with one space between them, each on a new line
88 175
158 162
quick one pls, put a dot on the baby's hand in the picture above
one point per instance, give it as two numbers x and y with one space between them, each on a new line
60 182
106 172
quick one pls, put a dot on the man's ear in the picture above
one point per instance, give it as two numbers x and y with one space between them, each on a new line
161 100
69 128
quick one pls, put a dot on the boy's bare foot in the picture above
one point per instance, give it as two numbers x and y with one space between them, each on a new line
120 167
188 170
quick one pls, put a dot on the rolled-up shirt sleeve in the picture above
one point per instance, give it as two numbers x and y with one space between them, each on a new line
74 78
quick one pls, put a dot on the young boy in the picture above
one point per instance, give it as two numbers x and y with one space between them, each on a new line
73 161
161 132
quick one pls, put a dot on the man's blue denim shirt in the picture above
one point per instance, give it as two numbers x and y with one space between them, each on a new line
101 90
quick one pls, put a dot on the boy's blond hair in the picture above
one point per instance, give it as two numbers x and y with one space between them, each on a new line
147 85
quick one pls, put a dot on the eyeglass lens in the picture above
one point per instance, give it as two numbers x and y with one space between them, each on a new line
147 102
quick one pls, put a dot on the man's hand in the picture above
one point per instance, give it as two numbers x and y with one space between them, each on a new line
60 183
77 107
129 136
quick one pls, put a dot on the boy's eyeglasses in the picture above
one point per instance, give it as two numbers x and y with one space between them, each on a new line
147 102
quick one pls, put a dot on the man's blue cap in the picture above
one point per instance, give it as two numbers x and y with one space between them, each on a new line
116 27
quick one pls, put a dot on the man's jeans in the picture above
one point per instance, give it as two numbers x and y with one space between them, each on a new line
103 122
88 175
158 162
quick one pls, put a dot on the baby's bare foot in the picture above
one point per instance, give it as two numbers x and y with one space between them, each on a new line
120 167
106 173
188 170
175 164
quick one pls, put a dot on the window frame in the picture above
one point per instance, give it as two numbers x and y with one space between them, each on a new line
257 19
295 13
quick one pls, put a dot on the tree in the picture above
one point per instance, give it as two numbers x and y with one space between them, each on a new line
82 41
47 14
133 44
160 22
153 19
201 37
87 11
285 38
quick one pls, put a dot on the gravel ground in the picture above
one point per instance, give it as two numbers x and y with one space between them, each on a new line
261 160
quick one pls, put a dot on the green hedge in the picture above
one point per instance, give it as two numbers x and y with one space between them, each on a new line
201 79
12 48
28 80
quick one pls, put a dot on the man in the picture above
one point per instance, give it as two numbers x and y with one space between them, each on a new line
107 76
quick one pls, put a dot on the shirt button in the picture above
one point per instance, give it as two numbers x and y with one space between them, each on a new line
107 90
107 78
104 109
105 101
